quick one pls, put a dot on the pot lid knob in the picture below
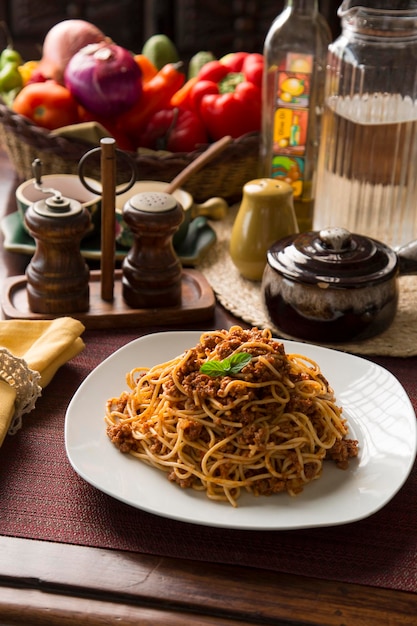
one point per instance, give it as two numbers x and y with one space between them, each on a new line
336 239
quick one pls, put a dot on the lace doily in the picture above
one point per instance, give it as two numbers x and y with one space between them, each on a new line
15 371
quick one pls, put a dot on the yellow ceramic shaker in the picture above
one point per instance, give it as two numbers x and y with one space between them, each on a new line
266 214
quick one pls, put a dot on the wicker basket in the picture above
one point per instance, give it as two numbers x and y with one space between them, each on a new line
224 176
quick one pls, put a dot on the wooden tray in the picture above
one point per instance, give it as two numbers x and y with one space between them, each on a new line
198 303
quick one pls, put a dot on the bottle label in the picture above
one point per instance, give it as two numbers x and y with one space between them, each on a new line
291 119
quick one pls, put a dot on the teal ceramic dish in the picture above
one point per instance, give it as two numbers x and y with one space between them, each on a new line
200 237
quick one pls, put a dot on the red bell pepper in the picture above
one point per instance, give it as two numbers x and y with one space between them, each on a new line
234 60
233 114
253 67
199 90
228 102
176 130
213 70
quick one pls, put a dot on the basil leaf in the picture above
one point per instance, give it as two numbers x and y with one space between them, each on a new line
238 362
213 368
230 365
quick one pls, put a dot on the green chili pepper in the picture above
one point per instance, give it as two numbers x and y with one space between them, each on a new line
10 55
11 81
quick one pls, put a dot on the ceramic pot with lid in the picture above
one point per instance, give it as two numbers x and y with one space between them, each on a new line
333 285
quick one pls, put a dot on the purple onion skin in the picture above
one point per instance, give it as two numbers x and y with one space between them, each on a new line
104 78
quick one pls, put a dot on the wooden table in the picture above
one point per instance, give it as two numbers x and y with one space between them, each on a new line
44 583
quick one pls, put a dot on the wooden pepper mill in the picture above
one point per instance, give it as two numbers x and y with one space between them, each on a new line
152 272
57 276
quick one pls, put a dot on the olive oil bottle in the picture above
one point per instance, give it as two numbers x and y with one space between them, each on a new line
295 53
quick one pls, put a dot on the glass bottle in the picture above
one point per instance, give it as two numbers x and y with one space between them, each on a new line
293 92
367 180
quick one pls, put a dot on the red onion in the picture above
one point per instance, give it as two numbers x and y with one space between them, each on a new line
104 78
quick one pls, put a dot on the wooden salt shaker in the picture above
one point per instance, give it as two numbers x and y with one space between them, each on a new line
152 272
57 276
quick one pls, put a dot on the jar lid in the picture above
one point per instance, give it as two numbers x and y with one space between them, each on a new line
333 256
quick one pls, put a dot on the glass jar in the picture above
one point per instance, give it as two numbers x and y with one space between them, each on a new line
367 171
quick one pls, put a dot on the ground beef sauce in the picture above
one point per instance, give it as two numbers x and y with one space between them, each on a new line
199 386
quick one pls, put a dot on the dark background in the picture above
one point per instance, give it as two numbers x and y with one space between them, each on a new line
221 26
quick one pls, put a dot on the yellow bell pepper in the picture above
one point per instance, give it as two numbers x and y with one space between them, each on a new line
26 70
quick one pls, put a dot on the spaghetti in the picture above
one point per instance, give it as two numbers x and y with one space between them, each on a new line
265 428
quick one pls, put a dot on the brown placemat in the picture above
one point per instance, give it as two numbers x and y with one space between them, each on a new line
43 498
242 297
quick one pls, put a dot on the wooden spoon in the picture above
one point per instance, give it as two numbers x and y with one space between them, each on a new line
198 163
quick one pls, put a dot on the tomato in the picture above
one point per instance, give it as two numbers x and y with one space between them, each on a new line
47 104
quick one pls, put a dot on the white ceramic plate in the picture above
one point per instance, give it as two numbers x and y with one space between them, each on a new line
379 414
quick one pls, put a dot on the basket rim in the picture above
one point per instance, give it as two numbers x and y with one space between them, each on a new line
30 133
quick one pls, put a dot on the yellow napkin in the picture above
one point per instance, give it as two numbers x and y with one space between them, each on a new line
44 345
7 405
